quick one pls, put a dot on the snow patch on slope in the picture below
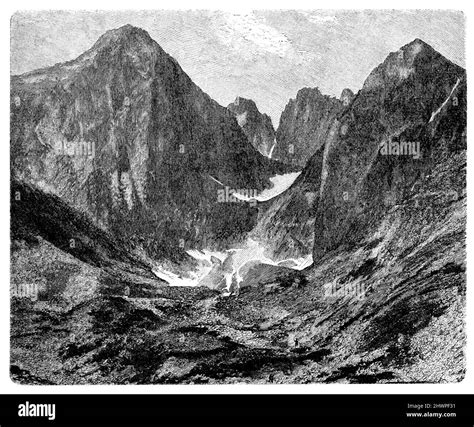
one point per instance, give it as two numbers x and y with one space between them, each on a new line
445 102
280 183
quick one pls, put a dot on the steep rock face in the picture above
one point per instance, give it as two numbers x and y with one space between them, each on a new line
286 223
257 126
304 126
123 134
402 141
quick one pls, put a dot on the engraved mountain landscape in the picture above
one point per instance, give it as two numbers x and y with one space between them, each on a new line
172 240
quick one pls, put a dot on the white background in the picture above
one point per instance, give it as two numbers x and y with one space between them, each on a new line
8 387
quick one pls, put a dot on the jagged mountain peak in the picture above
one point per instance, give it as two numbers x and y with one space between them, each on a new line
417 45
417 50
309 89
114 45
257 126
243 103
126 42
246 105
239 99
126 35
304 124
305 91
127 30
414 58
311 94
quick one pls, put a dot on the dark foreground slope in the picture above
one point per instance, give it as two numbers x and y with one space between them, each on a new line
287 327
60 249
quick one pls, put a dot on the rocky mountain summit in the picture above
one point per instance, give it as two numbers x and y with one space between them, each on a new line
257 126
304 125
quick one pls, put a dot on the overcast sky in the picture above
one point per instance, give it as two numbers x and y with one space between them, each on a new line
263 55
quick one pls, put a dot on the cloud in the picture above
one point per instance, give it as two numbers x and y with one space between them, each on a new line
250 32
319 18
